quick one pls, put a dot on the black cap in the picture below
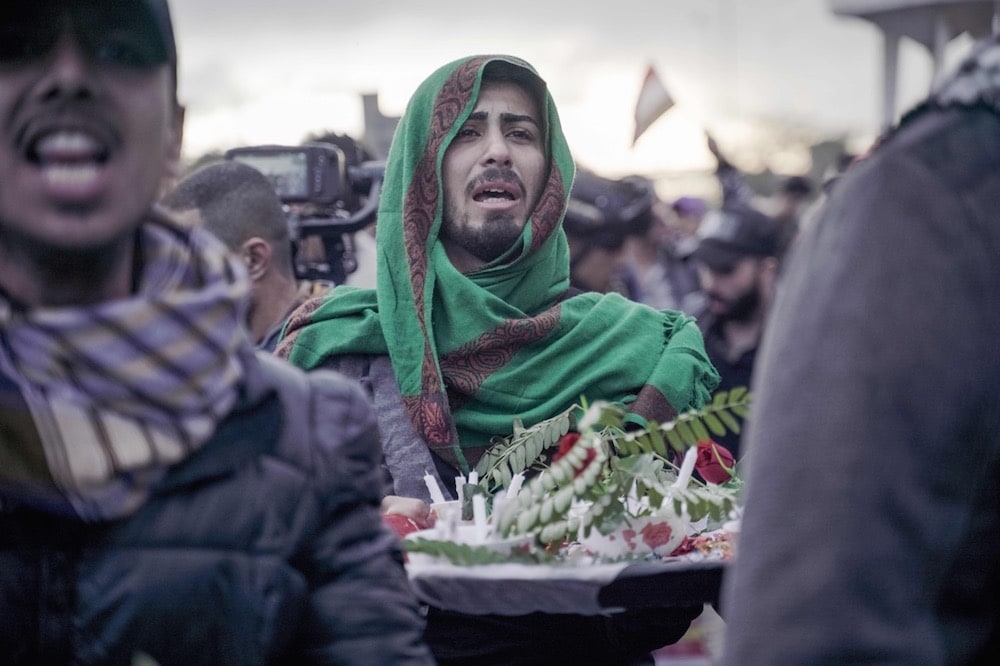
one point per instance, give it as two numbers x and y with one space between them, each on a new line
159 11
30 28
735 232
607 210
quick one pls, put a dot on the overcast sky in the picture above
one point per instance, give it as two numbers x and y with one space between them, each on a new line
267 71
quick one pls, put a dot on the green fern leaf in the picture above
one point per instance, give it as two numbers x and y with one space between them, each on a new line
517 459
675 439
730 421
656 440
699 429
714 424
686 433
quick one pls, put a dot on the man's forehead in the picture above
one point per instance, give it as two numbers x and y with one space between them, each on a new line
520 104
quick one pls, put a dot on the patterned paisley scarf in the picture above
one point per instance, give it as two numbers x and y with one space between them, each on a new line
471 353
118 391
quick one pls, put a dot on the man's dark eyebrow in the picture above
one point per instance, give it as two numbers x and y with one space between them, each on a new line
505 118
517 118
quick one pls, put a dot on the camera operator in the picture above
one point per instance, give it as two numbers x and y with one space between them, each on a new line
239 205
329 199
356 155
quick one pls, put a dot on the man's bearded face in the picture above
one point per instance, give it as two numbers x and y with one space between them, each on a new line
494 171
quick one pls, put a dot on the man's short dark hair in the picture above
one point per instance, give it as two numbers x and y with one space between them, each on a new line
236 202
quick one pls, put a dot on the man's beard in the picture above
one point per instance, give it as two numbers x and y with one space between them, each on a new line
744 307
487 242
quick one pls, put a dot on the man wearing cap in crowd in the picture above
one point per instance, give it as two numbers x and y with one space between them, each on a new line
167 495
737 261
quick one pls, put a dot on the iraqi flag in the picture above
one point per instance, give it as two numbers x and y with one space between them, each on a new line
654 100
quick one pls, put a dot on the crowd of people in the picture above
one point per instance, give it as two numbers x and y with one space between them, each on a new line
199 448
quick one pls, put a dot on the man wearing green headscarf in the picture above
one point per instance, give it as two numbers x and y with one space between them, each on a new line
473 324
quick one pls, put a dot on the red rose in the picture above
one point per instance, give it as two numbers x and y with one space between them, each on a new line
567 442
686 546
714 463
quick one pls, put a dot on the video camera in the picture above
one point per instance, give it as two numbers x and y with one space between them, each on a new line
324 196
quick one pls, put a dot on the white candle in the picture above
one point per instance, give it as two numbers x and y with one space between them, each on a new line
473 477
687 467
515 485
499 500
433 488
459 487
479 516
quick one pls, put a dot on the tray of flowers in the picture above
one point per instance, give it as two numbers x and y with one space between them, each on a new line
579 514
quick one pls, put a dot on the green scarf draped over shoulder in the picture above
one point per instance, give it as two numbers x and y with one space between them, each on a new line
472 353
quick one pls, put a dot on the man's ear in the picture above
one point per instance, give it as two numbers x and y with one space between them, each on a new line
769 267
174 143
256 254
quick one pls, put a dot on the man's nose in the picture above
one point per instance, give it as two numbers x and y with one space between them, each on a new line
497 151
69 71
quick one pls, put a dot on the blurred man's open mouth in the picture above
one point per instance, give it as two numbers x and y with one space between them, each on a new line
71 162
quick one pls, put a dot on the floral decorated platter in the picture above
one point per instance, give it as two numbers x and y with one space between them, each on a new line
579 515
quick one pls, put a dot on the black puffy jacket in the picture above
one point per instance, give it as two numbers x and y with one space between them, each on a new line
266 546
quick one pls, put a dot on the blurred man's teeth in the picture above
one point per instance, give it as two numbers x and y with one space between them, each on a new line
70 175
68 143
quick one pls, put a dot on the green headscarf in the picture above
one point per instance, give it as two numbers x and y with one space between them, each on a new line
471 353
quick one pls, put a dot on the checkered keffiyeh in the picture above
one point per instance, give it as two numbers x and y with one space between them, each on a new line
120 390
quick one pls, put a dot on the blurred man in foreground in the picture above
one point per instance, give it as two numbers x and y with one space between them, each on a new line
164 492
872 524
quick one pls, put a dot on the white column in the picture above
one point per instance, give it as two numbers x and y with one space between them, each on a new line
890 68
942 35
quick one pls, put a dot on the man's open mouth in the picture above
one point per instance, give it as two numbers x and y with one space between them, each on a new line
68 158
491 195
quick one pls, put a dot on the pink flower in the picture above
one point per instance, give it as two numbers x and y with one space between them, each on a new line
714 462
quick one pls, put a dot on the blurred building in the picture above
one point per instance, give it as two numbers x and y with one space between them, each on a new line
378 128
931 23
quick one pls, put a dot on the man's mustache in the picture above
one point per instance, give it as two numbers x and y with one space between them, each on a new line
496 175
